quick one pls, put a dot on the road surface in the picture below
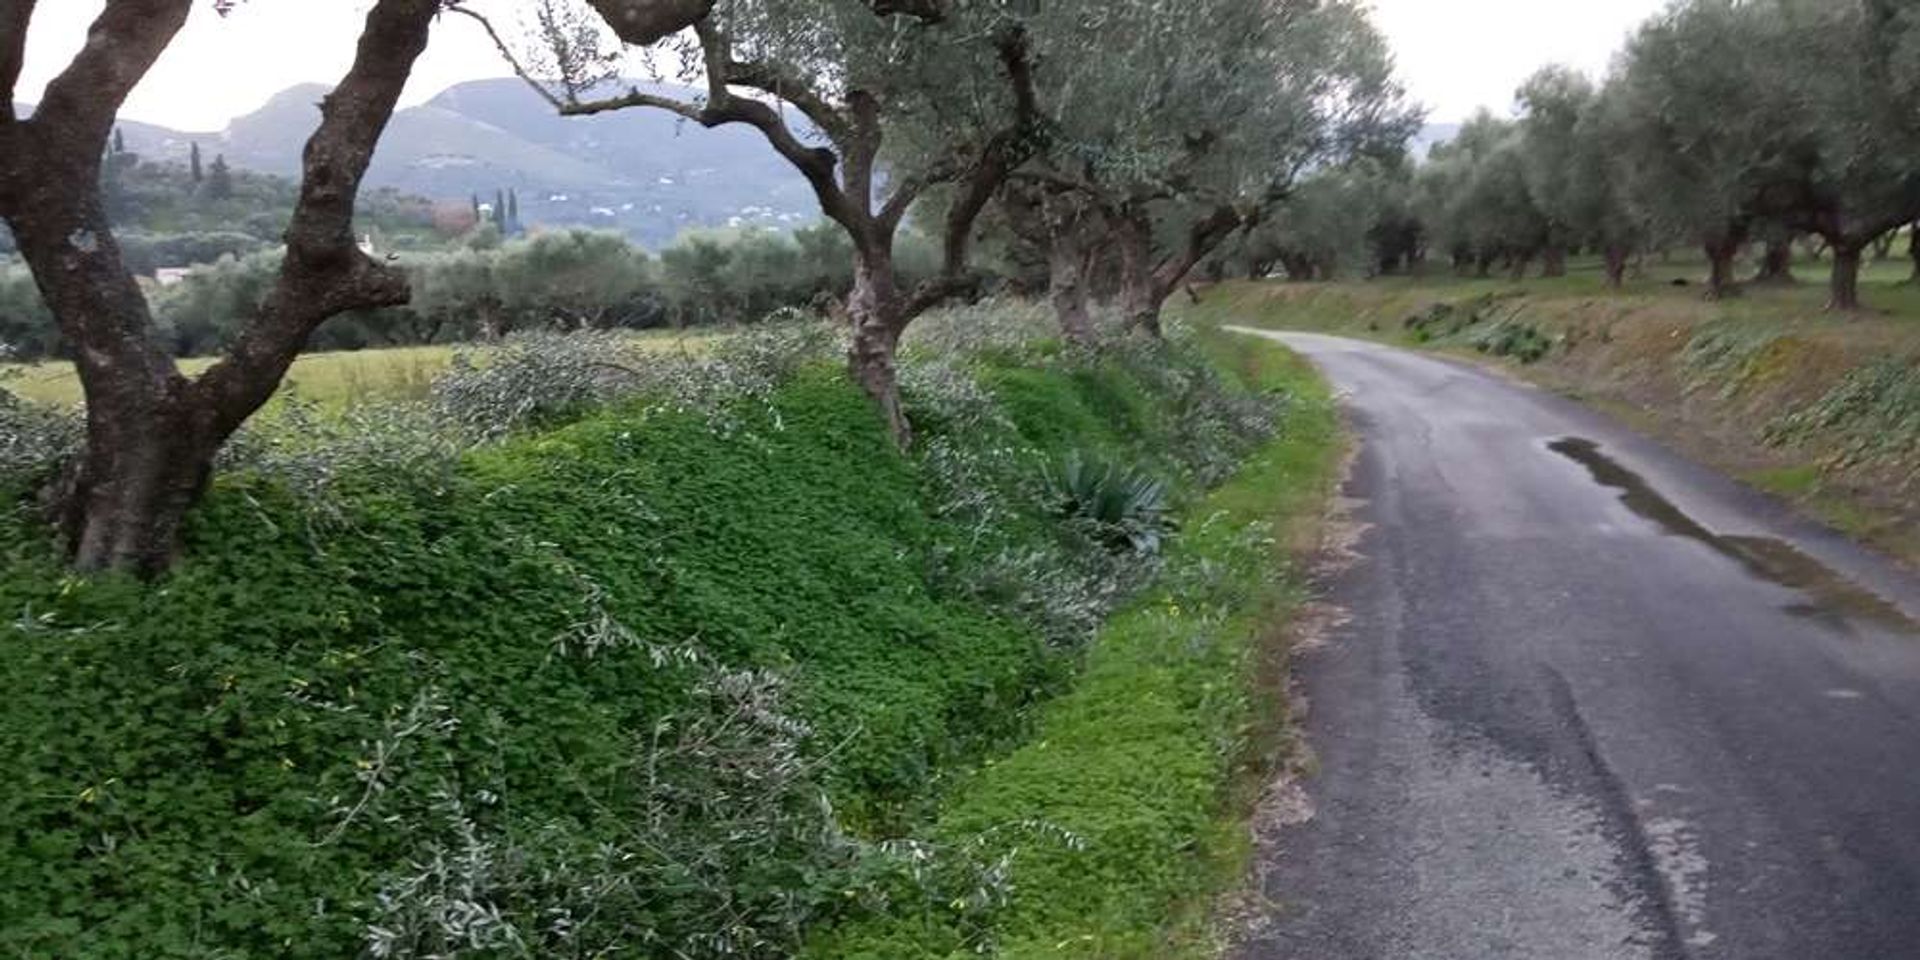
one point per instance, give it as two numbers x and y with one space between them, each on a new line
1592 701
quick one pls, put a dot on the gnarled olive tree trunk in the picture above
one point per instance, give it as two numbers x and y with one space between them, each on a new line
153 433
1555 259
1140 294
1721 252
1146 282
1617 257
1843 288
877 312
1776 264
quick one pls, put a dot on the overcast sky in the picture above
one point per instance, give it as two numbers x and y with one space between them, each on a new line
1455 55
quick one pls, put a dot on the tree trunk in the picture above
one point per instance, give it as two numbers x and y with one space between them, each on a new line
121 505
1776 266
1913 249
1068 263
1616 258
878 315
1518 270
1139 289
1556 262
1844 288
1720 279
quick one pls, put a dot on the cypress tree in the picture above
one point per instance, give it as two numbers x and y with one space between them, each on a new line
500 210
513 209
193 161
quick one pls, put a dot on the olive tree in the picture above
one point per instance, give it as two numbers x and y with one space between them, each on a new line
1701 133
1848 98
153 431
1554 101
1477 198
1597 204
1324 228
897 97
1196 120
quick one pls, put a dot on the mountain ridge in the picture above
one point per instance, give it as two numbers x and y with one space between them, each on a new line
644 172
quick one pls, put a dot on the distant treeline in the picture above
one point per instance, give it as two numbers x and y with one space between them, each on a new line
560 280
1722 127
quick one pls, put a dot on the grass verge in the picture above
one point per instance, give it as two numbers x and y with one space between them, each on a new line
1121 818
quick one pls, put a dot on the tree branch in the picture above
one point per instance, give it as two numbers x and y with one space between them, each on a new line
770 79
14 17
635 98
324 273
909 190
647 22
1202 237
506 53
81 103
1003 153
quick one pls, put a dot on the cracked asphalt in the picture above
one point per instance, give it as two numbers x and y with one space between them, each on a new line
1590 700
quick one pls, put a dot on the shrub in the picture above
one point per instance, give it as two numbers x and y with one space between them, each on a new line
1122 507
1521 341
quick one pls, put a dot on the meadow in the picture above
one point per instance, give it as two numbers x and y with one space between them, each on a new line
333 379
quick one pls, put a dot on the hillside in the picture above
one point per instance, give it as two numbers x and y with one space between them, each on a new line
643 172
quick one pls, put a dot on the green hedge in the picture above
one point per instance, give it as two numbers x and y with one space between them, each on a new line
1136 763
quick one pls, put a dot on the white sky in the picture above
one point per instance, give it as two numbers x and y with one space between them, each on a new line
1455 55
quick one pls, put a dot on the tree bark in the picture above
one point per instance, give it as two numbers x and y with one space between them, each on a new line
1844 286
152 434
1068 262
1139 296
1616 258
1068 221
1913 250
1776 266
1556 262
878 314
1720 280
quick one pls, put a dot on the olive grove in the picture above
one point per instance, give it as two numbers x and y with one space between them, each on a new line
1723 125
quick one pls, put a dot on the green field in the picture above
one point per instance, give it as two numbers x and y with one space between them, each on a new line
330 379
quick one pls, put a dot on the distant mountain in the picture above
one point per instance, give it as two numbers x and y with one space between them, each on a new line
641 171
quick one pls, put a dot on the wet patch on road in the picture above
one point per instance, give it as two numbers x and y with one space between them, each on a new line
1831 598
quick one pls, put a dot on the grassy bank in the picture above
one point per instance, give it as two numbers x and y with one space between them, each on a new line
1820 409
1118 819
694 669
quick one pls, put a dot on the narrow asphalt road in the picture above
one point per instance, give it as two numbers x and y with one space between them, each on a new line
1590 700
